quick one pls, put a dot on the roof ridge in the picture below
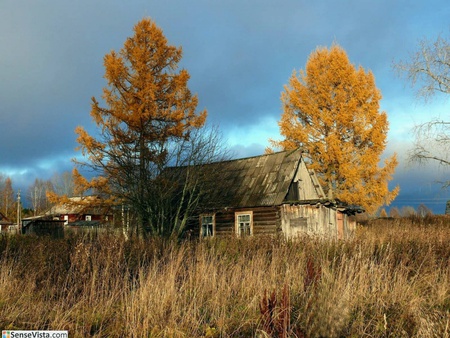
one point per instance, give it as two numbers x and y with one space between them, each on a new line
290 151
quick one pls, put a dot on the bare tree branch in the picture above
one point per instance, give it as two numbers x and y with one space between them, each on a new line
429 69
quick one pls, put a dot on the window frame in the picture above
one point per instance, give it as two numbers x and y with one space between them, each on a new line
237 223
213 216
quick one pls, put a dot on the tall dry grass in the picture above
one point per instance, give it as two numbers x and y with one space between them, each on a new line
392 280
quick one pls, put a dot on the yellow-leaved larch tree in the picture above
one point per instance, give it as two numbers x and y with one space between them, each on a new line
331 111
148 112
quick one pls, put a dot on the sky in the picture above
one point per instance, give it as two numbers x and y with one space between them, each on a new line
239 53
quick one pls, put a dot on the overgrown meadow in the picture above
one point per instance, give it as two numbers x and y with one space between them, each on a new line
392 280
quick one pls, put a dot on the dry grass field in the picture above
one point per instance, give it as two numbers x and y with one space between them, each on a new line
392 280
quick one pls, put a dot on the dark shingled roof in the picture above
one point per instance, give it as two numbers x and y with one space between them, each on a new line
256 181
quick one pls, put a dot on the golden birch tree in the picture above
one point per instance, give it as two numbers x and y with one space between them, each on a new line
331 110
147 108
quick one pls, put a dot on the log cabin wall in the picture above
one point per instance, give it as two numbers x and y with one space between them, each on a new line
293 220
265 220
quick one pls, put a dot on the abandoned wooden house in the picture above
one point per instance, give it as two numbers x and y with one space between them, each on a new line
269 194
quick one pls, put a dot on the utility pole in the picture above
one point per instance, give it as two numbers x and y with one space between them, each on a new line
18 212
6 204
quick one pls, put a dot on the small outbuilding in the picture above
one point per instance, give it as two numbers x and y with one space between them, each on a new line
270 194
43 226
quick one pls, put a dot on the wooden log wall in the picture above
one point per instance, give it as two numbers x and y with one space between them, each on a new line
265 221
292 220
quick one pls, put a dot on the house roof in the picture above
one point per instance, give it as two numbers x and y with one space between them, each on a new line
254 181
263 180
79 205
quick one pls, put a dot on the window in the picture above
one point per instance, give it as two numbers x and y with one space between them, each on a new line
88 218
207 225
244 223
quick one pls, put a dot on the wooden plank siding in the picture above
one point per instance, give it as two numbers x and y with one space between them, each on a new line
315 220
309 219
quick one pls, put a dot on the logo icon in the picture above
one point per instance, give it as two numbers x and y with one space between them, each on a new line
6 334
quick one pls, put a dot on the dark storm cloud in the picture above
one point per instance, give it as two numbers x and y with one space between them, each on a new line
422 185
